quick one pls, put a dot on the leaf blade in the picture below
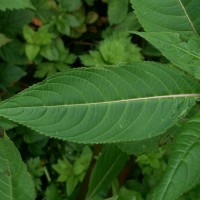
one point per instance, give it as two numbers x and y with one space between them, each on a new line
16 183
106 169
169 15
183 169
93 105
184 54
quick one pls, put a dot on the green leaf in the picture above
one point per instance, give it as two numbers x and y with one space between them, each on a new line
16 183
182 51
12 22
63 26
3 40
183 171
107 167
102 105
64 168
72 182
9 74
52 192
117 11
15 4
114 49
13 52
82 163
126 194
31 51
70 6
130 23
7 124
169 16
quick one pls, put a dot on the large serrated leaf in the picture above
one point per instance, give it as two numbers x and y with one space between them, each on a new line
15 4
107 167
182 51
16 183
183 171
102 105
170 15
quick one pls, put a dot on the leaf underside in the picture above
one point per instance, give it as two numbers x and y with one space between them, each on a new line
102 105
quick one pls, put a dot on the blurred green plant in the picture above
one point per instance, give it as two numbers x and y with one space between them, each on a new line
113 50
73 173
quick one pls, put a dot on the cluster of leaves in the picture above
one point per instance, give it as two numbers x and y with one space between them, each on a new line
126 112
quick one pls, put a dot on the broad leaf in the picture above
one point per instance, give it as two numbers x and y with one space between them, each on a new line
107 167
170 15
183 171
183 52
102 105
15 4
16 183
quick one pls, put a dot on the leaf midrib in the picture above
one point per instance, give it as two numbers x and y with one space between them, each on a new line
187 15
113 101
103 178
177 166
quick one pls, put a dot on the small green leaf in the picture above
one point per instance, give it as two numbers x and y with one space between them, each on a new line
117 11
70 6
72 182
126 194
114 49
52 192
64 168
3 40
50 52
63 26
16 183
32 51
28 33
107 167
91 17
82 163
